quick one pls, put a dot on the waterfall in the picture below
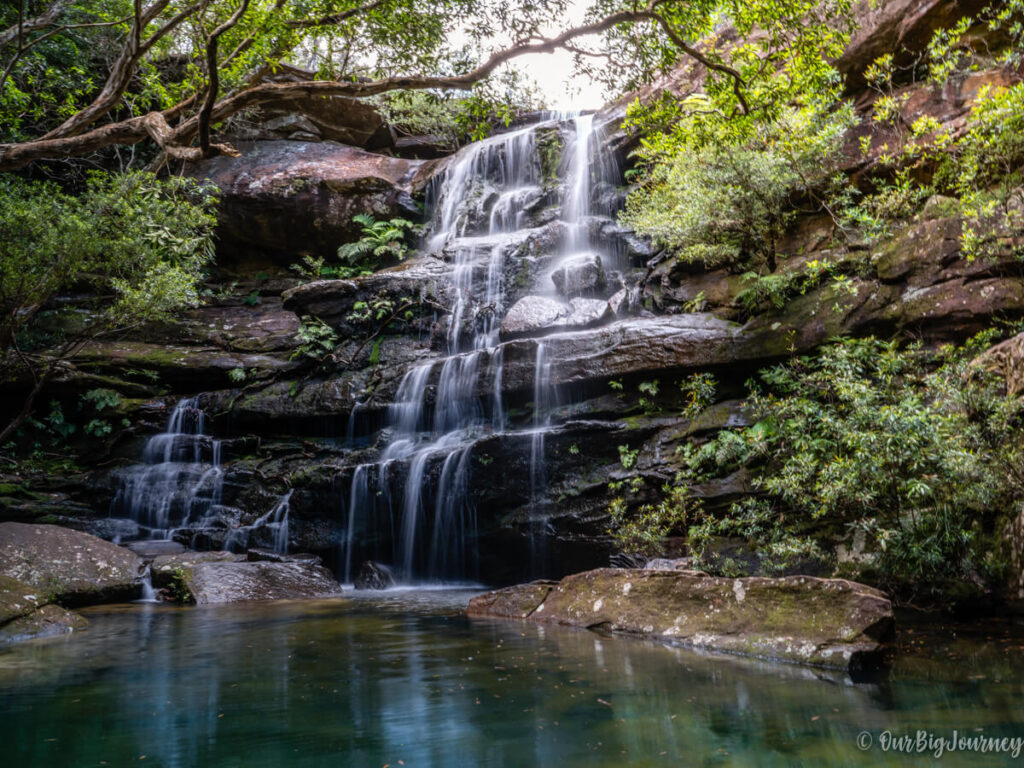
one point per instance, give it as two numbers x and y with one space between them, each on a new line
417 493
180 481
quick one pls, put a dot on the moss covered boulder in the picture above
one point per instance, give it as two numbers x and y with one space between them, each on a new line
802 619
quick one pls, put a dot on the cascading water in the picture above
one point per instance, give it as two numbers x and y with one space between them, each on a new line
180 480
495 223
479 205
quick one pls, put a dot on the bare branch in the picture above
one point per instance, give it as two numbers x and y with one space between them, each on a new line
25 26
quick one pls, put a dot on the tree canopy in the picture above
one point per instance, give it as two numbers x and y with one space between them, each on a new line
77 76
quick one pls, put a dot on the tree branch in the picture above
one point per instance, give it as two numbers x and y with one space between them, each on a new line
25 26
69 139
213 75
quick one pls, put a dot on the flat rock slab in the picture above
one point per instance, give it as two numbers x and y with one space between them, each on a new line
48 621
68 566
802 619
25 614
230 582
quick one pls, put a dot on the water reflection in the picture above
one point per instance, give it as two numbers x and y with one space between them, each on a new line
365 681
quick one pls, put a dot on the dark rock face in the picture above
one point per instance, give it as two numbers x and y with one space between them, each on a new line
69 566
230 582
288 196
823 622
374 576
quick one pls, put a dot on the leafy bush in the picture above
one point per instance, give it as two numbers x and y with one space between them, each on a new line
917 450
146 241
317 339
718 201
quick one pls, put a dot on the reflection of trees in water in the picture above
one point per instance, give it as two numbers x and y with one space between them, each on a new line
347 683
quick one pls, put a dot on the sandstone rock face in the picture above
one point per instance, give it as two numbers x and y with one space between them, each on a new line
1006 359
230 582
293 196
802 619
68 566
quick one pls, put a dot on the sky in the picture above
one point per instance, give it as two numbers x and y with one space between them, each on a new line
553 72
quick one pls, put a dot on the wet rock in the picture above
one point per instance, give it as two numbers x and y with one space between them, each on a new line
230 582
333 301
586 313
166 568
258 555
374 576
48 621
513 602
625 302
802 619
283 196
580 275
628 346
187 368
532 314
68 566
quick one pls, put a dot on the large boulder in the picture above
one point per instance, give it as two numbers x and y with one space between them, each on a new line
285 197
68 566
233 582
824 622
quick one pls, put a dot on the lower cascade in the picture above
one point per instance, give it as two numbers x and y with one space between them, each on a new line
515 229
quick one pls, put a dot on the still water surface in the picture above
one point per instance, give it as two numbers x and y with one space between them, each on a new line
403 679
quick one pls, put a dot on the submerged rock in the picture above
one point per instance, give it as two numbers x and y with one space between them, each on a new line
374 576
231 582
68 566
802 619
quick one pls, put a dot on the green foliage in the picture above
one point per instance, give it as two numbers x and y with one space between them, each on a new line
380 241
698 390
143 240
455 117
778 289
917 450
643 530
317 339
628 457
716 198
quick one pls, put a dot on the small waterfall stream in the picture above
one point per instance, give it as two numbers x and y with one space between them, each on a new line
180 480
